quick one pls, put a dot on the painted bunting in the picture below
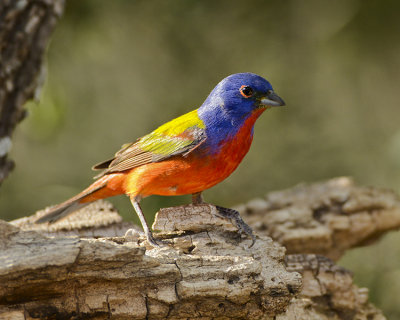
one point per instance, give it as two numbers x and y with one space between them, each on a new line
187 155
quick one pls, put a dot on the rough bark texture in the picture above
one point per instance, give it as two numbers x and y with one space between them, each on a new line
327 293
206 270
25 28
325 218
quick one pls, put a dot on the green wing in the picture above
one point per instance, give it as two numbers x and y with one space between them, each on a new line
177 137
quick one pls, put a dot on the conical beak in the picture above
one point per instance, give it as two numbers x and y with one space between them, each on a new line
272 100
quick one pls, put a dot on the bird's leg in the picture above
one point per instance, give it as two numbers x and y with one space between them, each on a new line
147 232
197 198
235 217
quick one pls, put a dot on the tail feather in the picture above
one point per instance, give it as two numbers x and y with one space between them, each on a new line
63 209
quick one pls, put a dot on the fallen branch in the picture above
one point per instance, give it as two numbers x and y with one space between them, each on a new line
206 270
202 273
325 218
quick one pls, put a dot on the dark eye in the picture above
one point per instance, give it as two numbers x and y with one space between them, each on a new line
246 91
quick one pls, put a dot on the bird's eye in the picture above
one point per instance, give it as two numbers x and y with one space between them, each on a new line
246 91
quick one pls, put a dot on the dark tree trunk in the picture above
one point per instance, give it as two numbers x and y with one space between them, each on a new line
25 29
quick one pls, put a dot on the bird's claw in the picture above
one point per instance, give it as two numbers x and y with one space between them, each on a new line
235 217
133 233
152 241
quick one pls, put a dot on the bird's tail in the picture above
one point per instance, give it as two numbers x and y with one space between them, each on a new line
98 190
61 211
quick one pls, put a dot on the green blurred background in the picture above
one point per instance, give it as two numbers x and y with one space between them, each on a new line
118 69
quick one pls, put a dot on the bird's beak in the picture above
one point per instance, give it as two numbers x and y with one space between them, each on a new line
272 100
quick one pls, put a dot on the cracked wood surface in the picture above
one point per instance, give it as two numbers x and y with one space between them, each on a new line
25 29
327 292
325 218
203 273
206 271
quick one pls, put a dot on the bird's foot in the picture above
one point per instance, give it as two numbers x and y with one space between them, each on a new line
133 233
152 241
235 217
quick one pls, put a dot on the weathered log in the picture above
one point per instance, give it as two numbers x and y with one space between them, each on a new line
25 28
205 270
201 272
327 292
325 218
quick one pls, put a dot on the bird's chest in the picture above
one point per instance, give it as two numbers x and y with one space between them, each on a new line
229 152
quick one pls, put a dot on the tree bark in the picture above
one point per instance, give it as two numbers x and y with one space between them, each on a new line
325 218
25 28
204 270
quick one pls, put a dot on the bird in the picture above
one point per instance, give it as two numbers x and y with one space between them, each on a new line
186 155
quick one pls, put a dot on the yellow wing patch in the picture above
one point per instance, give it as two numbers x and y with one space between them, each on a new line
179 125
177 137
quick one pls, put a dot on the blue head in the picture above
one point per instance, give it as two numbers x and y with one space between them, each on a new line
233 100
241 93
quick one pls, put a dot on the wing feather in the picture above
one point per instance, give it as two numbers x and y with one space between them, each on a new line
177 137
